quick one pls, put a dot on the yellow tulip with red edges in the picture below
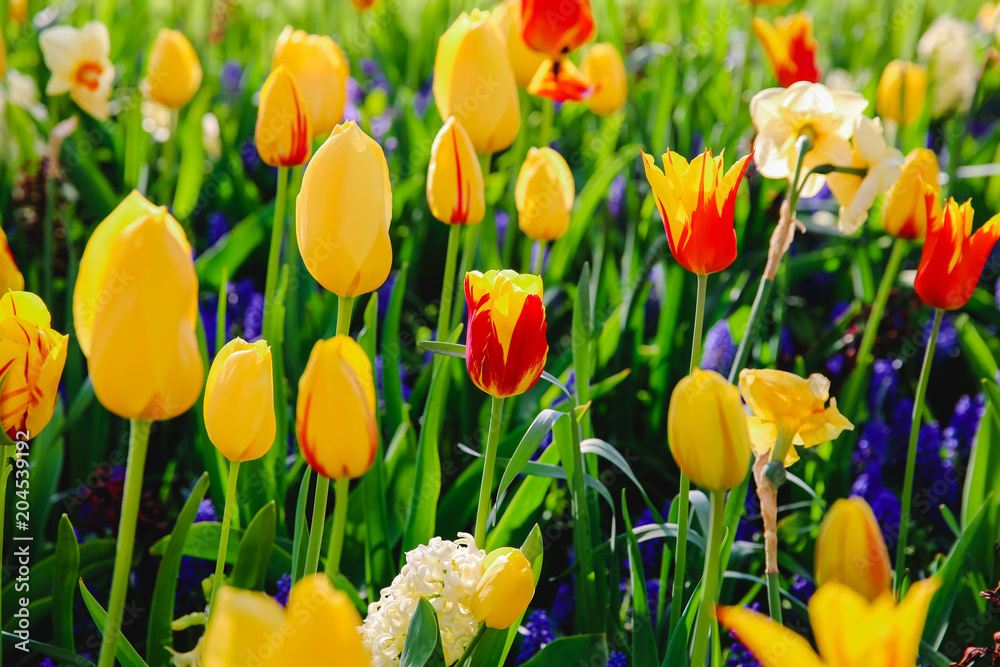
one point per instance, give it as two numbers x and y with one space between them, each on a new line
335 413
697 202
505 346
456 192
283 133
317 627
474 82
174 71
524 60
953 258
850 630
904 214
505 590
321 72
343 212
239 400
135 309
850 549
10 276
544 194
32 357
895 76
707 430
603 66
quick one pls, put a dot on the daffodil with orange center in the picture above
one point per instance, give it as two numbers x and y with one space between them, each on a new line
78 59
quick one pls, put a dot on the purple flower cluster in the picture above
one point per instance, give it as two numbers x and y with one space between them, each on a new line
537 633
719 351
193 571
244 313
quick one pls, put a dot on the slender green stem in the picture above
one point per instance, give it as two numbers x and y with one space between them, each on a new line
545 133
539 259
911 454
448 284
169 156
774 596
345 307
138 444
220 311
699 322
293 260
48 237
316 528
489 466
750 334
341 491
710 579
220 561
274 251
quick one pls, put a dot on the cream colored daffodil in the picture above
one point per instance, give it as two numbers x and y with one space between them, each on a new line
855 193
79 61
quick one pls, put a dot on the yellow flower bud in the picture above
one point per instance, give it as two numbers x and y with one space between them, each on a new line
889 91
320 70
32 357
18 10
455 190
10 276
708 434
239 400
335 413
174 71
474 82
544 194
604 67
505 590
284 131
135 309
850 549
524 60
343 211
905 212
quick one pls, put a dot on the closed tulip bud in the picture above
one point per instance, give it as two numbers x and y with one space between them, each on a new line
335 413
905 213
505 590
135 309
790 47
174 70
604 68
321 72
697 202
524 60
850 549
708 433
557 27
544 194
32 357
471 53
362 5
284 131
897 74
18 10
953 257
10 276
343 211
505 347
239 400
456 193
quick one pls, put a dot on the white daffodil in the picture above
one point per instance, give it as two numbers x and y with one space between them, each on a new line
948 47
79 61
856 194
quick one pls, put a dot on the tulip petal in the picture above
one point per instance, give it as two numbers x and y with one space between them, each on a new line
772 644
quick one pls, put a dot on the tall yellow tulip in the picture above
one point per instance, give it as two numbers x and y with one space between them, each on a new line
320 70
506 589
283 133
456 193
896 75
343 212
135 309
524 60
239 400
174 71
850 549
603 66
544 194
10 276
474 82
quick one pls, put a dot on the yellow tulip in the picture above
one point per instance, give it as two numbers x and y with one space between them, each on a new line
851 550
790 410
10 276
320 70
239 400
32 357
850 631
135 309
604 67
544 194
905 212
707 430
524 60
335 413
18 10
284 131
455 190
318 627
343 211
889 91
174 70
474 82
505 590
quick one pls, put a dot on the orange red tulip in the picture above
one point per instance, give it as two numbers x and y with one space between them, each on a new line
557 28
790 47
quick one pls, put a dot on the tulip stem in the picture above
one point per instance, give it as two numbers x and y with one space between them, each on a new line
471 239
341 491
710 579
345 308
448 284
220 561
489 465
274 252
316 529
911 454
774 596
545 134
539 259
138 445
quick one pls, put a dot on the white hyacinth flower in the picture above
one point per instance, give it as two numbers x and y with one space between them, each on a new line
446 573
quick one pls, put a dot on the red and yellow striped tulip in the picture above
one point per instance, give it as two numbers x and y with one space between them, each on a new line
284 131
10 276
790 47
456 192
905 213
